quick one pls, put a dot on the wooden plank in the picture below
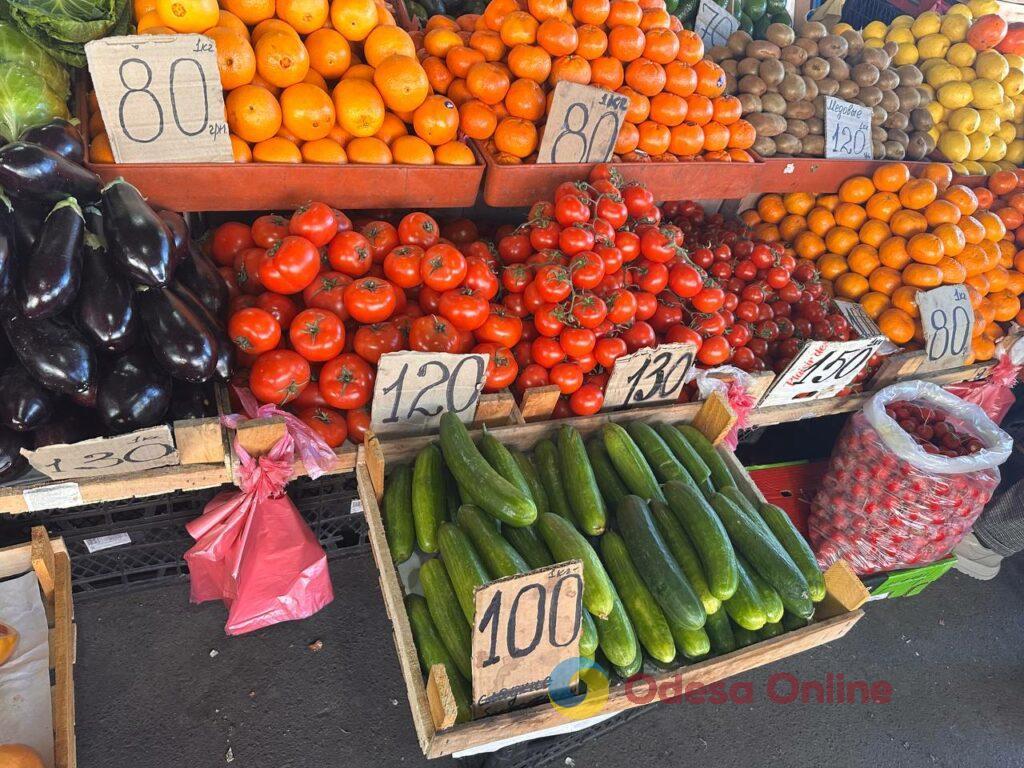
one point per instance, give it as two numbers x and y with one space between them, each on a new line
494 408
258 436
42 562
374 459
199 441
895 367
843 591
63 697
715 418
538 402
443 709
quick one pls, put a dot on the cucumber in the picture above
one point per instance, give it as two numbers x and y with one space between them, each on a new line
746 506
463 566
537 492
694 643
578 477
664 463
566 543
588 635
770 599
446 612
766 555
452 495
615 634
657 567
647 618
685 554
708 536
719 631
686 455
428 504
745 606
796 547
720 474
497 496
770 630
630 463
545 457
432 651
627 671
791 622
398 524
612 488
744 636
499 457
498 556
528 544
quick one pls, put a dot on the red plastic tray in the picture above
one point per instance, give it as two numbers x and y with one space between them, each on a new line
816 174
791 487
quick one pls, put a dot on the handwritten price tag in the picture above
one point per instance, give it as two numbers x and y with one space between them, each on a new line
583 124
821 369
948 322
714 23
413 389
847 130
650 375
160 98
135 452
525 626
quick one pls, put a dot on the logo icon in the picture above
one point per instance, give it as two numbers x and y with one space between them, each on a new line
578 706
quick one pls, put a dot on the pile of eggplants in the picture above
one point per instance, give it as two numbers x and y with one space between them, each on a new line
110 313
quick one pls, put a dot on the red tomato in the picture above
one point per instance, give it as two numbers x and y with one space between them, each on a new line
638 336
577 238
515 277
370 300
548 320
622 306
358 422
383 238
481 277
282 308
589 310
708 299
372 341
278 376
254 330
638 199
679 334
290 265
552 283
500 327
443 267
628 243
317 335
269 230
612 258
428 299
544 234
433 333
310 395
515 248
247 270
515 304
577 342
571 209
646 305
714 351
547 352
502 367
465 308
587 400
346 381
228 240
459 231
612 210
650 276
481 249
586 270
327 291
685 281
326 422
531 377
567 376
657 244
349 253
241 301
608 350
418 229
315 222
402 266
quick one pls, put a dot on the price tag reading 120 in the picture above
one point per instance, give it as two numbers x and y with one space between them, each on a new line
583 124
650 375
821 369
847 130
160 98
948 323
413 389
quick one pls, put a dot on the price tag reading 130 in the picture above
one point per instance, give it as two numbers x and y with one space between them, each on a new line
821 369
948 323
650 375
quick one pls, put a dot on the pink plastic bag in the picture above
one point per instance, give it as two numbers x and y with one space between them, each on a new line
995 393
735 389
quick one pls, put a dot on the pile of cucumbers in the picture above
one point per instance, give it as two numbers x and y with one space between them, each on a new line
678 564
754 15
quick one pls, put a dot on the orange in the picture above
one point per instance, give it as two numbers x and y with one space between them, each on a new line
284 133
391 129
454 153
884 280
460 58
141 7
893 253
771 208
250 11
531 62
624 13
436 120
437 74
741 138
963 197
972 228
681 79
661 45
850 215
487 82
904 298
668 109
820 221
412 150
890 177
276 150
519 28
354 19
922 275
240 150
477 120
329 53
710 78
897 325
841 240
253 114
281 59
629 137
229 20
940 173
727 110
437 42
359 72
236 61
557 37
489 44
368 150
699 109
1012 218
997 279
387 41
323 151
799 203
339 134
791 226
516 136
593 42
856 189
942 212
832 265
982 348
918 193
1015 282
402 82
882 205
308 112
1006 305
686 140
973 259
152 24
100 151
925 248
188 15
654 138
994 227
850 285
653 18
459 93
863 259
547 9
315 78
496 11
828 202
874 303
874 232
980 283
591 11
626 43
1002 183
991 253
525 99
304 16
646 77
808 245
359 107
572 68
270 25
606 72
907 223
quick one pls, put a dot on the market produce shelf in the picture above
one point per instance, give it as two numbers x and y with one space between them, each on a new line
815 174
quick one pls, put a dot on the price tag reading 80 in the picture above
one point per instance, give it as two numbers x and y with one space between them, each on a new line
583 124
651 375
948 323
821 369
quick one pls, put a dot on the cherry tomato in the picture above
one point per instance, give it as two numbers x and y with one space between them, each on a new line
657 244
548 320
228 240
420 229
290 265
587 400
650 276
714 351
628 243
746 310
685 281
577 188
708 299
326 422
310 394
481 277
777 277
242 301
317 335
552 284
568 377
349 253
745 270
576 238
370 300
346 381
315 222
743 359
443 267
465 308
515 277
269 230
515 248
278 376
612 209
638 336
589 310
667 315
608 350
544 234
502 368
428 299
571 209
646 305
372 341
703 257
681 334
254 330
738 335
638 199
790 293
612 258
546 351
383 238
327 291
358 422
247 270
762 256
500 327
622 306
433 333
586 270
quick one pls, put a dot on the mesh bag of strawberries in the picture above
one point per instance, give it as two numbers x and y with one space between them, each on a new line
908 477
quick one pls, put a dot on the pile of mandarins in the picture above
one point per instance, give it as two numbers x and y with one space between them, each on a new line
883 239
316 81
500 67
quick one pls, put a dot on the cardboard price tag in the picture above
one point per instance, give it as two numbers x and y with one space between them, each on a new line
821 369
948 322
413 389
122 454
847 130
583 124
714 23
525 626
160 98
649 375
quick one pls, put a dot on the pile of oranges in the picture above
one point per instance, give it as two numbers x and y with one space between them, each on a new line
882 240
499 69
317 81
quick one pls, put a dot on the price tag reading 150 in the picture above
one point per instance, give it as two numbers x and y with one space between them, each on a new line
650 375
821 369
583 124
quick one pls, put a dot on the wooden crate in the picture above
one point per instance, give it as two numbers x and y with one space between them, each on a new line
835 615
49 559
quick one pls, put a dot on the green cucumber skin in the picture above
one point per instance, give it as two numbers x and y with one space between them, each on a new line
502 499
658 567
770 630
685 453
647 618
580 485
399 528
746 506
499 457
616 636
766 555
529 545
745 606
797 548
446 612
431 651
428 501
708 536
791 622
720 474
612 488
658 455
683 551
452 495
588 635
630 463
566 543
498 556
545 457
464 567
627 671
694 643
719 631
770 599
537 492
744 636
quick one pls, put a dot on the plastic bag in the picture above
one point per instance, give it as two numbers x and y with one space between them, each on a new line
735 389
995 393
886 502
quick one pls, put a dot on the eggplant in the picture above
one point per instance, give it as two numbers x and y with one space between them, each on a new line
69 425
12 463
189 401
48 280
212 322
25 404
137 239
52 351
134 392
86 399
8 245
199 274
178 335
94 221
105 311
60 135
28 220
28 170
179 236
